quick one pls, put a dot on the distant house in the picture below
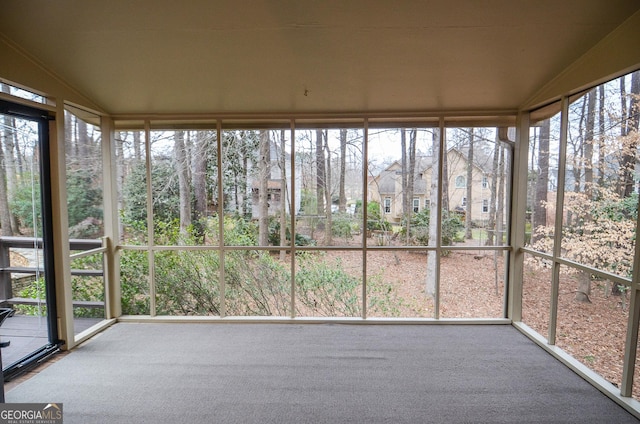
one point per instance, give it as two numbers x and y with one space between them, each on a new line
386 187
275 197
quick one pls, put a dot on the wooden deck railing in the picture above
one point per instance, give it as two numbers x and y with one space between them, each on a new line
7 270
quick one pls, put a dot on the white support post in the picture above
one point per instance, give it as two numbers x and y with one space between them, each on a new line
64 296
559 217
633 321
113 307
518 218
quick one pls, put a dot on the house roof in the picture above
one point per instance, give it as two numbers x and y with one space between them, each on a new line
386 180
330 56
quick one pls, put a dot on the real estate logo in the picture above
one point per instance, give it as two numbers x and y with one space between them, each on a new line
31 413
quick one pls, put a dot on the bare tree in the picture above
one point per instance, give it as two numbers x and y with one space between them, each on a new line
320 171
632 119
601 136
5 215
137 150
182 169
413 134
445 173
588 142
199 177
8 178
433 218
408 175
342 197
500 197
283 195
120 176
328 230
264 167
542 180
468 218
405 172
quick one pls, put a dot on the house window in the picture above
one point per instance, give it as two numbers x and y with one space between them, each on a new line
464 201
485 205
485 182
461 181
387 205
416 204
427 203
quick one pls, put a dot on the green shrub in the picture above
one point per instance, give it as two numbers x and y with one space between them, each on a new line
35 290
452 225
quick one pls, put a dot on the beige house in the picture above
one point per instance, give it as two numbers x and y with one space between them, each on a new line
386 187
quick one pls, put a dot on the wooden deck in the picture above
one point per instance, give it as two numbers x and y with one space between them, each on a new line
28 333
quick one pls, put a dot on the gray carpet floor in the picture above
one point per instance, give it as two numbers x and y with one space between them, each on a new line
328 373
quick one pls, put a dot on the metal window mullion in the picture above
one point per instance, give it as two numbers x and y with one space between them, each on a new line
557 242
221 275
633 321
292 212
507 207
365 191
440 195
150 237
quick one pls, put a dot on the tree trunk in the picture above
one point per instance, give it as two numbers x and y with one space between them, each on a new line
432 258
629 158
405 174
82 143
601 141
408 176
500 197
328 229
342 197
588 143
10 164
468 234
5 215
119 154
445 174
137 150
244 183
542 182
491 234
263 199
199 177
320 177
412 170
283 196
182 169
584 287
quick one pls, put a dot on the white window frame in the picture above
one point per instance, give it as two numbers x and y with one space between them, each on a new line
387 205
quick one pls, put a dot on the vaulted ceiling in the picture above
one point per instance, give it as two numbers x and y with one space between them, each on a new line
198 56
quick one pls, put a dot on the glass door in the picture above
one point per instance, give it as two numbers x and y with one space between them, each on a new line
27 285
